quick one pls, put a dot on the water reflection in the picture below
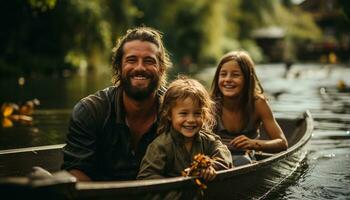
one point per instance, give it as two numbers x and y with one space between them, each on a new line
49 127
53 92
57 97
325 172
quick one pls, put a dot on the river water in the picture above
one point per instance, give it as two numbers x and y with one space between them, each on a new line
323 174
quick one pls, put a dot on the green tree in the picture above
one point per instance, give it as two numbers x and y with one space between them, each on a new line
50 36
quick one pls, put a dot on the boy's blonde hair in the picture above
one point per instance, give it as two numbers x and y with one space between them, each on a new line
179 90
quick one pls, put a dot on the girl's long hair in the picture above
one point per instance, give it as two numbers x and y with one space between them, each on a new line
251 89
179 90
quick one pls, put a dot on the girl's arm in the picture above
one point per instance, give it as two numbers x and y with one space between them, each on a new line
277 141
221 155
154 162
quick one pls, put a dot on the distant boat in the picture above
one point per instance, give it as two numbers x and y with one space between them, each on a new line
256 180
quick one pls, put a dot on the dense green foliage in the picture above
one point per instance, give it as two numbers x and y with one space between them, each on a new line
48 36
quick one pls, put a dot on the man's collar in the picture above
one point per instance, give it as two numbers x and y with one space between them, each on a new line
118 106
119 103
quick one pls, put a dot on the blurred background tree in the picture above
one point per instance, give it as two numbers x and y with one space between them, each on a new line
56 36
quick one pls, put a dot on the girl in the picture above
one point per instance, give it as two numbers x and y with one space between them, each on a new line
185 126
242 108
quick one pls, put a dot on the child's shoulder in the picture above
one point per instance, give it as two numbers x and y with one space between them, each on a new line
260 97
163 139
260 100
208 135
261 105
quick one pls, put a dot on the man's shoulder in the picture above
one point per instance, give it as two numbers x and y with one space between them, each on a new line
100 101
101 96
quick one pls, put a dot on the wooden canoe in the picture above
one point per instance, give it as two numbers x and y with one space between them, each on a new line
254 181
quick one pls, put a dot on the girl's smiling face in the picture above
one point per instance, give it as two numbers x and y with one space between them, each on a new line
231 79
186 117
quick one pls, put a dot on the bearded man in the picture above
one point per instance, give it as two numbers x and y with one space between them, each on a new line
109 131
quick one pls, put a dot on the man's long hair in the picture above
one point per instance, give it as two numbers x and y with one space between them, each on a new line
146 34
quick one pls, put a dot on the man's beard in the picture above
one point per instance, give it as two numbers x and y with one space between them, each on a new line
139 94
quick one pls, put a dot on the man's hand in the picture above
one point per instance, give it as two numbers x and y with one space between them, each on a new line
79 175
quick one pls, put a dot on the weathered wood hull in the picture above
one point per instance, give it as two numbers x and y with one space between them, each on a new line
245 182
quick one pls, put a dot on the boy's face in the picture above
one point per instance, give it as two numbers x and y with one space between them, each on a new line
186 117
